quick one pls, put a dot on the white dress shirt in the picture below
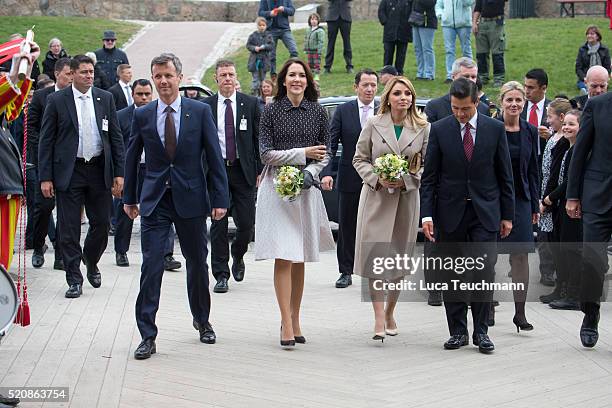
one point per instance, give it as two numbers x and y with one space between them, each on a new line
94 132
539 110
161 119
473 121
360 106
221 122
127 92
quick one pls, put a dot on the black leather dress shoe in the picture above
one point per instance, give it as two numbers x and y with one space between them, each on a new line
456 341
207 334
171 264
11 402
145 349
221 286
435 298
238 269
93 274
589 333
74 291
58 265
484 343
566 303
122 259
344 281
38 259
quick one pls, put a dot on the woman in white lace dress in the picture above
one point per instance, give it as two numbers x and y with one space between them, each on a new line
293 131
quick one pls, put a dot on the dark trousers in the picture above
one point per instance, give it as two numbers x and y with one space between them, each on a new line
116 209
348 203
570 251
43 223
242 199
30 193
345 32
87 187
545 253
124 224
192 238
596 230
399 49
471 230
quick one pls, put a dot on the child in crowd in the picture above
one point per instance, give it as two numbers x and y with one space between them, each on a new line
314 40
569 229
260 45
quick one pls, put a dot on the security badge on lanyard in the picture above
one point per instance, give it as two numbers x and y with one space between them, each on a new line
243 123
105 125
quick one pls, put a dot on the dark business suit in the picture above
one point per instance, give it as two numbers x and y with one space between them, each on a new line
43 207
467 201
119 97
242 178
543 122
579 102
123 230
345 128
590 181
440 108
77 182
339 18
174 191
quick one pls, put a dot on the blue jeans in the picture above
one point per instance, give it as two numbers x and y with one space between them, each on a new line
423 48
287 38
450 36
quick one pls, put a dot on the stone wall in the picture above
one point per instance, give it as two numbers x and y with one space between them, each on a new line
193 10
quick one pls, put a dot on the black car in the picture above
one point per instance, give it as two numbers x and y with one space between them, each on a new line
330 104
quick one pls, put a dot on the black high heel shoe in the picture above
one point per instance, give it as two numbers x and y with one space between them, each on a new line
286 343
522 324
300 339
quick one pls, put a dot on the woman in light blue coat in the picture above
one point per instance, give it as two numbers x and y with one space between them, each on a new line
456 16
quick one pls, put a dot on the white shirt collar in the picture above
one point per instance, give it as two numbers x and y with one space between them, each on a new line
161 106
360 104
77 93
123 84
540 105
56 88
473 121
231 98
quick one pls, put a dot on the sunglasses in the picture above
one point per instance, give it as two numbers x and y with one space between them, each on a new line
109 40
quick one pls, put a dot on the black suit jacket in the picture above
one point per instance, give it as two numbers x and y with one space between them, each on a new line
543 122
440 108
345 128
36 112
529 182
339 9
247 141
59 138
590 174
124 116
118 96
579 102
448 178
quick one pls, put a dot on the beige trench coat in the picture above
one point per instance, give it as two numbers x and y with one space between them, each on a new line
386 223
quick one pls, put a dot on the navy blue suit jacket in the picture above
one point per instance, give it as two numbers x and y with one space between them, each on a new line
448 178
529 167
345 128
124 116
196 142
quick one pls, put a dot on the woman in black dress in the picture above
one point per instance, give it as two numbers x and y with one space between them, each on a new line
522 144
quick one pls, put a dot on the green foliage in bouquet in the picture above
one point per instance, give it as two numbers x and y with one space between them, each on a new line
288 182
390 167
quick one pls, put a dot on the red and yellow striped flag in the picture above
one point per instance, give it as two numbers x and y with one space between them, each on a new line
9 213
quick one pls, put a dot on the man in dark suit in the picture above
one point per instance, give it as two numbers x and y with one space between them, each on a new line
534 112
347 122
80 158
236 116
467 193
43 207
339 18
596 81
142 93
122 91
177 135
588 196
440 108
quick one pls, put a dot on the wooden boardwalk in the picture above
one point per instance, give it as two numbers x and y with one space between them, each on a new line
87 344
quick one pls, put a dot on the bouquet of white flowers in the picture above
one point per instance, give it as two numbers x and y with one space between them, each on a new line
391 167
288 182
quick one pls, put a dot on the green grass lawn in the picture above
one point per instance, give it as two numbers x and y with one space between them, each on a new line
551 44
78 34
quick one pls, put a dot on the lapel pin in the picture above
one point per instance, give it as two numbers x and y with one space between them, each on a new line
98 99
186 115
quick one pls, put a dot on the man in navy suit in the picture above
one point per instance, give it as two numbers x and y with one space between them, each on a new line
80 157
467 193
346 125
177 135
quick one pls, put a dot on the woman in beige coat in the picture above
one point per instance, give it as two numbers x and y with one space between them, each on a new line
387 223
